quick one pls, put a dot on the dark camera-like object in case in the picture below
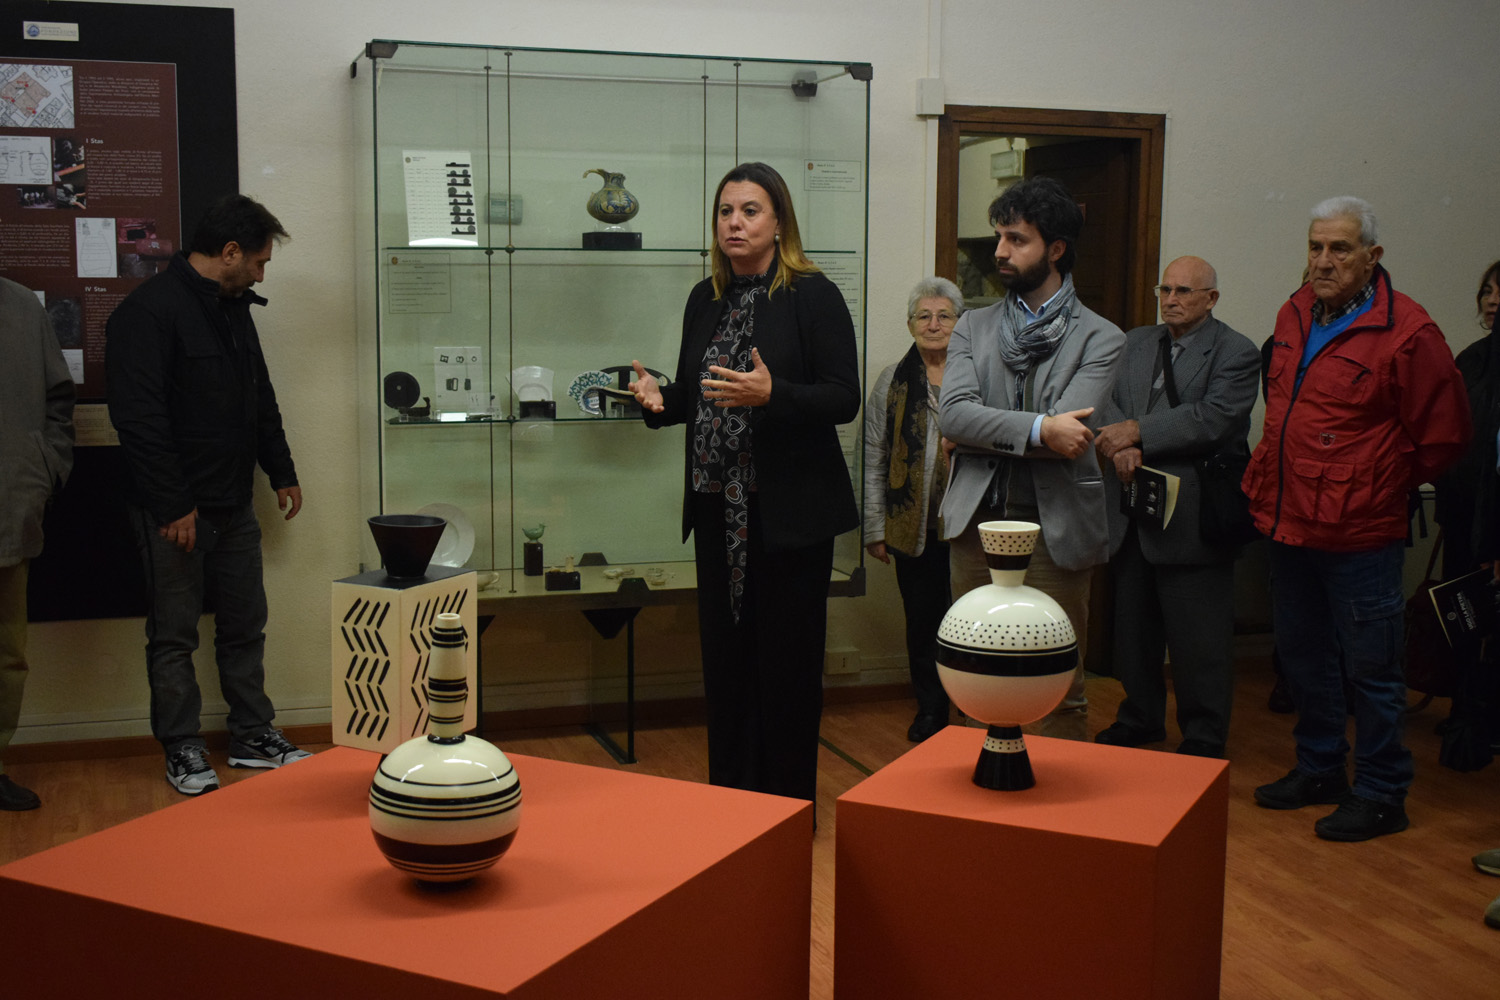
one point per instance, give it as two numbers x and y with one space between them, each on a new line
538 409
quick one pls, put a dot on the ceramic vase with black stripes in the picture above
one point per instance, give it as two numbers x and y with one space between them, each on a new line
445 806
1006 654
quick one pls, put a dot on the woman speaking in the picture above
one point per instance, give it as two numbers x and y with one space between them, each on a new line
766 372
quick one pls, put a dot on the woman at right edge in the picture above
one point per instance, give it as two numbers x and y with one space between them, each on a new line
1468 508
767 370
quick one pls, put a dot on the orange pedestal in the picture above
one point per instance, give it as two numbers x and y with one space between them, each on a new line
1106 879
618 885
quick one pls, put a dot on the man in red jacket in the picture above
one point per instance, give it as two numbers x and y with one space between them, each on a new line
1363 403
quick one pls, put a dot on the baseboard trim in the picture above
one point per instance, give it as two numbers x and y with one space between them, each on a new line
141 746
496 724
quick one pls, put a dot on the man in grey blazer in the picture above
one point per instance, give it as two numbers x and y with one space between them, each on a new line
1174 591
1023 378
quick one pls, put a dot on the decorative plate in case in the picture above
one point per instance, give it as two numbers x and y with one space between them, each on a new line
589 402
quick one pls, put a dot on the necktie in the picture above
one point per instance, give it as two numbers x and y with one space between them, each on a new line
1164 376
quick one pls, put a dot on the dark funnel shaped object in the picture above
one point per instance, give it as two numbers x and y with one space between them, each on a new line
406 542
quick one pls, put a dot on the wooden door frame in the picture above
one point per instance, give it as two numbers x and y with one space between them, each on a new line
1146 176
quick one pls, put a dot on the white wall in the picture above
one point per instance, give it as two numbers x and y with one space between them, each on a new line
1271 106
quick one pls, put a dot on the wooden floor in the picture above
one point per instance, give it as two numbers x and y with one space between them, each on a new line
1397 917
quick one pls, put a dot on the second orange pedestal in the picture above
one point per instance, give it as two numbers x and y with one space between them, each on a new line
1106 879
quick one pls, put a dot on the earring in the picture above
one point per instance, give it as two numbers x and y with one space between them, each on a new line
776 238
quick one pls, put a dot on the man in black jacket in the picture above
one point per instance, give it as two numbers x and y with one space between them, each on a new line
192 401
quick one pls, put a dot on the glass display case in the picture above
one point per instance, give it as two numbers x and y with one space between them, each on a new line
494 306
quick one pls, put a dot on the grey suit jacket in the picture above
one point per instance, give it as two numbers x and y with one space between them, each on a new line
977 414
1217 378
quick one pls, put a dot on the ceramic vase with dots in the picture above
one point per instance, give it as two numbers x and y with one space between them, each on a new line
445 806
1006 654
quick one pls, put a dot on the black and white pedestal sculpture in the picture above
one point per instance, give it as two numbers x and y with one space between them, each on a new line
1006 654
445 806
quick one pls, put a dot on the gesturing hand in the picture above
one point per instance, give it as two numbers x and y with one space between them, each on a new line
1066 433
732 388
647 390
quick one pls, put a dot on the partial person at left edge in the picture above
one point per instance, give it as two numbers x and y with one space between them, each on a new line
36 455
192 401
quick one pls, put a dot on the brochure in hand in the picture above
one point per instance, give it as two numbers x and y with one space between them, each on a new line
1468 607
1151 496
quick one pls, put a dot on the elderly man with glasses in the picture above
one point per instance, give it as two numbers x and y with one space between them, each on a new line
1183 395
1363 403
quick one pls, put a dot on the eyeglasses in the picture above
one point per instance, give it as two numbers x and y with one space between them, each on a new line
1181 291
945 318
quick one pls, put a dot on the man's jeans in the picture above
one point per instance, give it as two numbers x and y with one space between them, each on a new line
228 571
1333 606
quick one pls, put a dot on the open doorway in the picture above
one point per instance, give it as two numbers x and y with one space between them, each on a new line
1110 161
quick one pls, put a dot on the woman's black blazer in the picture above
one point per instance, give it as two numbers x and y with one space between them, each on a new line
806 339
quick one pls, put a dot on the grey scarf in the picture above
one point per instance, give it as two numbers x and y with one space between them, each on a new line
1024 341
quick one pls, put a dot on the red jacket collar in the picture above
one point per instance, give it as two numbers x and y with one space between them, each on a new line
1381 314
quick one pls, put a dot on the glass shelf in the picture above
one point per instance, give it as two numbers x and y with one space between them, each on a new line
496 140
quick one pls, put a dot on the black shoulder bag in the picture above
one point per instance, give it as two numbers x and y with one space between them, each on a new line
1223 508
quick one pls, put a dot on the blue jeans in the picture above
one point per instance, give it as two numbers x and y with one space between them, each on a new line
1344 607
226 571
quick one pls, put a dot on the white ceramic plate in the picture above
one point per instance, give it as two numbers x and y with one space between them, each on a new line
589 403
457 543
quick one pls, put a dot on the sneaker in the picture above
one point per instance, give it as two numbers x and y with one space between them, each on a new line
1300 789
1488 861
1358 818
1118 734
188 770
269 749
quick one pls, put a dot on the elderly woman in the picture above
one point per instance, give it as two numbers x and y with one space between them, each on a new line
905 472
767 371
